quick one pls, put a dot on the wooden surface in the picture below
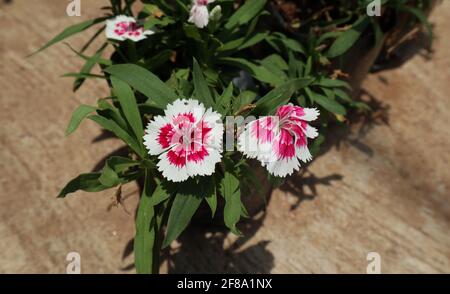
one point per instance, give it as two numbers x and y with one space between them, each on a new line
382 185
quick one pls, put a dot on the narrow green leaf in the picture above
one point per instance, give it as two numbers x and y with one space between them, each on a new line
224 101
232 194
113 167
211 199
245 13
183 208
87 67
253 40
78 115
82 76
308 67
289 43
259 72
202 92
72 30
129 106
101 61
343 95
111 112
279 96
327 103
112 126
244 99
145 82
192 32
330 83
276 64
346 40
86 182
144 240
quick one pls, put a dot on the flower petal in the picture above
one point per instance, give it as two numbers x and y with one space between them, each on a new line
206 165
199 15
157 139
213 121
172 167
303 153
283 167
310 114
185 106
311 132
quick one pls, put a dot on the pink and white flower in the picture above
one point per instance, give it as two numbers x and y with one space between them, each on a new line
188 140
124 27
199 14
280 142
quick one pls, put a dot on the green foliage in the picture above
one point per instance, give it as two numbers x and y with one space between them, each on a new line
70 31
231 192
78 115
348 38
242 63
144 81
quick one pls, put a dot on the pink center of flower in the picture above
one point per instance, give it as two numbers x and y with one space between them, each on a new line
186 138
286 131
202 2
128 28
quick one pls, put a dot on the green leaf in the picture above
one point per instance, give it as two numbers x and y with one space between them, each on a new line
78 115
87 67
308 66
279 96
113 167
144 240
112 126
86 58
108 111
253 40
72 30
183 208
211 199
259 72
245 98
346 40
289 43
343 95
327 103
276 64
145 82
86 182
328 35
82 76
209 192
192 32
330 83
232 194
129 106
243 42
245 13
224 101
202 92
